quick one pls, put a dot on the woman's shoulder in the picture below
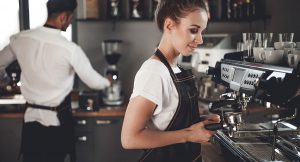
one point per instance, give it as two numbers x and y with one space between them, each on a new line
153 70
154 66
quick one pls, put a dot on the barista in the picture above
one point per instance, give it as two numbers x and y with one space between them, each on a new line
162 116
49 63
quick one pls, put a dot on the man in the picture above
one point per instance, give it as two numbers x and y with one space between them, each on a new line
49 63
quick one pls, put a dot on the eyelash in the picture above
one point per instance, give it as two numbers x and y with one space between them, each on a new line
194 31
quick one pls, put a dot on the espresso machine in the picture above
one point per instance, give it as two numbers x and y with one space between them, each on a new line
10 80
259 111
112 51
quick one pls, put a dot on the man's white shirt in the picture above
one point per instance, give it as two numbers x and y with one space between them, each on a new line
49 63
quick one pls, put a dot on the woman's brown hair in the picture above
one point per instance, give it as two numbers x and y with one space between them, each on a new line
175 9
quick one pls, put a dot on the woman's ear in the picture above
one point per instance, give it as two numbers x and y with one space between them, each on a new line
169 24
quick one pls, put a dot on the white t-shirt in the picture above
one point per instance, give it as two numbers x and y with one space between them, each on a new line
153 82
49 63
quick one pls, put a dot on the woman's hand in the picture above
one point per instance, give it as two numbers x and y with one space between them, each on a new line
212 118
198 134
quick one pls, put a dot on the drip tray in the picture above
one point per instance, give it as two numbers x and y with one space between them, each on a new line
262 151
263 130
258 149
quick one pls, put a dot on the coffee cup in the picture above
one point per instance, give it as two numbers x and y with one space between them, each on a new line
257 54
298 45
282 45
289 44
293 60
296 51
279 45
271 56
288 50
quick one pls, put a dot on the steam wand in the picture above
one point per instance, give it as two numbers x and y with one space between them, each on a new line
275 132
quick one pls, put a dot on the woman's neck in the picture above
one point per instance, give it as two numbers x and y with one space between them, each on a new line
168 51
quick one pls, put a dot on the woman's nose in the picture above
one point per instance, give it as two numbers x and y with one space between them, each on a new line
198 39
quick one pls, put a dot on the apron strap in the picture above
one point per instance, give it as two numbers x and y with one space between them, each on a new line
60 107
163 59
35 106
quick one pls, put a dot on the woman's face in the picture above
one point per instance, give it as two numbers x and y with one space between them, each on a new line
187 34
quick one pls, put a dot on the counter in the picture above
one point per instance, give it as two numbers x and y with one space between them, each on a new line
102 112
107 111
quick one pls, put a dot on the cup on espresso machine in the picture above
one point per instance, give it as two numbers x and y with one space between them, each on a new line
112 51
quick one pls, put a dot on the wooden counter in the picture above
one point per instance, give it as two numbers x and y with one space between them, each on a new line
102 112
109 111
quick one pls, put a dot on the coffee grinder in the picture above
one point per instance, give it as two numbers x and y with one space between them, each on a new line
113 95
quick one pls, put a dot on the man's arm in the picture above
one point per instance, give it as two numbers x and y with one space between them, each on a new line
86 72
6 57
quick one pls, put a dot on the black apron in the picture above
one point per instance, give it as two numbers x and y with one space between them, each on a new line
187 113
60 139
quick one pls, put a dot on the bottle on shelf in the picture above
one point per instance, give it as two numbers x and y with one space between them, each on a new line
136 9
228 11
113 9
240 10
215 9
153 8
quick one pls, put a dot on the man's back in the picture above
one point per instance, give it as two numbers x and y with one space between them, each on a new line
45 58
49 63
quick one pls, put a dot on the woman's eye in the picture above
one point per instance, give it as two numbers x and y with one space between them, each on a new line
194 31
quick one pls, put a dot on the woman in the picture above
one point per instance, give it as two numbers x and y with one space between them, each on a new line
162 115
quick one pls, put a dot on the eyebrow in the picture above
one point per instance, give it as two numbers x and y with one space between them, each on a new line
196 26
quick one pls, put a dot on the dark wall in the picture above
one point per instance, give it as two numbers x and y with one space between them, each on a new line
284 16
141 37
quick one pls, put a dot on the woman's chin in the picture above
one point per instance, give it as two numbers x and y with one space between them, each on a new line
188 52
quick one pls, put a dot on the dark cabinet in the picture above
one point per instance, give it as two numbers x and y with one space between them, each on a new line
99 140
10 139
84 139
107 139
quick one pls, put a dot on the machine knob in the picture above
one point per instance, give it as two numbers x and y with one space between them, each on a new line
268 85
210 71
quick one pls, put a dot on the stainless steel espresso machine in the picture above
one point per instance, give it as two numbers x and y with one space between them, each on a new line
112 51
259 111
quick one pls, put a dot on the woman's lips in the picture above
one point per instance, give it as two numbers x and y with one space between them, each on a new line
192 47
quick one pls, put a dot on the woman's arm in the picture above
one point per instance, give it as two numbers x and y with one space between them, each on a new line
135 135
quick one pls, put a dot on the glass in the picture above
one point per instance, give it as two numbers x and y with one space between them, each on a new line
258 40
248 40
280 37
288 37
240 47
268 41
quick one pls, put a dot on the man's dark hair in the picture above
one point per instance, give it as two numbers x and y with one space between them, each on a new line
56 6
175 9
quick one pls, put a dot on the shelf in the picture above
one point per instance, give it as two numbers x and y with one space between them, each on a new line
114 20
249 20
